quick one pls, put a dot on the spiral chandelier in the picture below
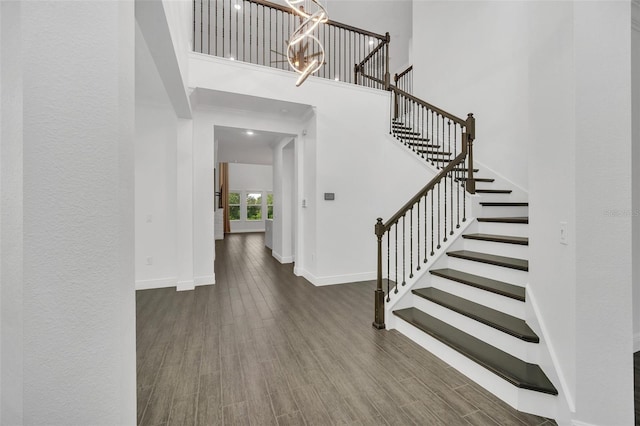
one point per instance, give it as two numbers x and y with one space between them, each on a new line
302 38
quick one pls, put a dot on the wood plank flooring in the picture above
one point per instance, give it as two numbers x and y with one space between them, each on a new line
264 347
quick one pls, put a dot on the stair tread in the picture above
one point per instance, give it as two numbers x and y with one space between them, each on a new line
423 145
460 169
521 219
517 372
478 180
405 131
499 320
504 204
509 239
494 191
426 151
494 286
411 138
492 259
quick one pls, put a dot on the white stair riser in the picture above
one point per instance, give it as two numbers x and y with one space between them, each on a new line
502 211
526 351
498 302
500 273
499 228
520 399
500 249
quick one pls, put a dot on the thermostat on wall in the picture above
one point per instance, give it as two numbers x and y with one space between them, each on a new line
330 196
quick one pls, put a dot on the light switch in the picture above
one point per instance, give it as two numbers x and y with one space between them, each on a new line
564 233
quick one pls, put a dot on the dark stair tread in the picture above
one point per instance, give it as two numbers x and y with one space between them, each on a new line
411 138
493 191
478 180
517 372
492 259
401 131
504 219
504 204
511 325
494 286
524 241
424 151
460 169
422 145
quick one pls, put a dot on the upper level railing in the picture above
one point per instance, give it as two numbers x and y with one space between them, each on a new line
257 31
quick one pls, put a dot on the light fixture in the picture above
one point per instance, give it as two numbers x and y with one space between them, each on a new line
298 44
231 58
337 78
371 42
237 5
249 132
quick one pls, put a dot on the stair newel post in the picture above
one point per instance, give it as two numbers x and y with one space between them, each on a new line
470 136
387 75
378 321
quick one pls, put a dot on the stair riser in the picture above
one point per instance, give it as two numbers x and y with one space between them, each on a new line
500 249
522 399
496 211
495 301
500 273
498 228
526 351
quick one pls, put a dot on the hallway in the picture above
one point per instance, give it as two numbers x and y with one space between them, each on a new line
263 347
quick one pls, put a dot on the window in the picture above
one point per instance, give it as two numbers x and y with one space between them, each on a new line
254 206
269 206
234 206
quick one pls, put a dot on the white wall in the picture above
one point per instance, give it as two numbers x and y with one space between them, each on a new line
479 48
155 178
247 178
602 36
285 201
583 290
346 150
11 216
78 213
635 114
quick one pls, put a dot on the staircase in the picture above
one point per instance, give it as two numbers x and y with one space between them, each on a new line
469 309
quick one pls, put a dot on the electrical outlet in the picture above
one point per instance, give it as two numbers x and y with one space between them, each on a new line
149 260
564 233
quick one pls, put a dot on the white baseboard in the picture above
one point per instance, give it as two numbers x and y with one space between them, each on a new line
636 342
157 283
204 280
185 285
282 259
338 279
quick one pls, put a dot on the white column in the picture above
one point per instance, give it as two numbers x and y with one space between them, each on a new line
184 199
78 165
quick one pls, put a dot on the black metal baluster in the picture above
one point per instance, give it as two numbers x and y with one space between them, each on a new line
388 261
396 274
434 138
418 236
411 243
439 213
426 226
458 185
432 222
194 26
201 31
404 262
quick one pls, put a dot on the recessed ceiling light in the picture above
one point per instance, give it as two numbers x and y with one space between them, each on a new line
337 78
231 58
237 6
371 41
249 132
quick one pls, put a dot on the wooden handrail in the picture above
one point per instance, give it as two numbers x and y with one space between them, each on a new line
373 52
428 105
403 73
428 187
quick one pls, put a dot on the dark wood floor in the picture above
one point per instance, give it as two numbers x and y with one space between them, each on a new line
263 347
